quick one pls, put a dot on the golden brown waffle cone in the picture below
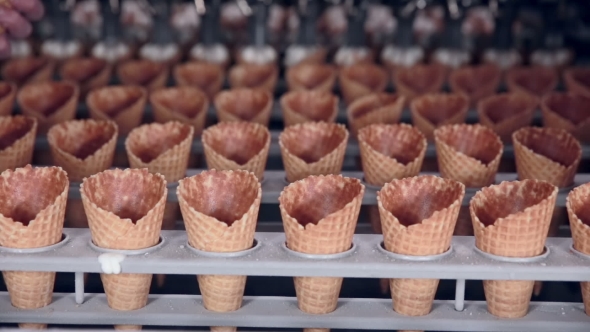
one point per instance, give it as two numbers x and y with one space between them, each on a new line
131 223
469 154
205 76
31 216
313 148
577 81
579 216
7 97
308 76
27 70
122 104
50 102
149 74
419 80
360 80
409 228
536 81
243 104
567 111
17 141
212 226
506 112
374 108
512 220
437 109
308 106
88 73
254 76
546 154
237 146
476 82
185 104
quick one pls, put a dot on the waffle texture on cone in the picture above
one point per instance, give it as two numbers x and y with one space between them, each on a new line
469 154
578 204
577 81
186 104
360 80
391 152
83 147
50 102
7 98
506 112
419 80
17 141
313 148
243 104
23 71
206 76
308 106
374 108
567 111
308 76
122 104
536 81
88 73
435 110
149 74
237 145
476 82
253 76
161 148
546 154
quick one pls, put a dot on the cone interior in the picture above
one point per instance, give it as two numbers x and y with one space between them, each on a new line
310 75
552 144
236 141
368 105
312 141
313 105
114 100
198 73
5 89
243 103
14 129
471 79
150 141
83 69
46 98
21 70
537 81
579 203
400 142
574 108
370 76
140 72
437 108
502 107
183 100
420 78
474 141
251 76
582 76
82 138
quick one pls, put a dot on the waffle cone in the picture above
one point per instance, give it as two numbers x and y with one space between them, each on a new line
577 81
253 76
476 82
579 217
313 148
469 154
319 216
308 106
567 111
546 154
83 147
17 141
88 73
536 81
418 80
122 104
237 146
374 108
243 104
21 71
308 76
149 74
512 219
206 76
7 97
435 110
50 102
360 80
185 104
505 113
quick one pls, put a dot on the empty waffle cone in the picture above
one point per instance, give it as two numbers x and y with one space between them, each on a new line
308 76
32 207
149 74
578 203
505 113
237 146
243 104
313 148
411 228
186 104
253 76
469 154
125 210
360 80
435 110
546 154
50 102
220 211
308 106
206 76
374 108
476 82
17 141
536 81
122 104
27 70
7 97
419 80
577 81
567 111
88 73
512 220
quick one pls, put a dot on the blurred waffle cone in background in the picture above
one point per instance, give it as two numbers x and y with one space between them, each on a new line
243 104
411 228
319 216
418 80
122 104
17 141
32 207
374 108
577 81
50 102
27 70
7 97
567 111
313 148
220 211
308 76
512 220
505 113
253 76
536 81
308 106
88 73
205 76
476 82
186 104
578 208
149 74
125 210
237 146
360 80
546 154
437 109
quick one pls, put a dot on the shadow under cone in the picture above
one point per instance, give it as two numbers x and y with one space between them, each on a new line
505 113
308 106
578 208
242 104
360 80
17 141
307 76
88 73
124 105
567 111
185 104
435 110
375 108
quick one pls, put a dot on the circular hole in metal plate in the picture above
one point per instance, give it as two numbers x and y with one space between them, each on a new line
128 252
320 256
578 253
257 244
64 239
533 259
426 258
